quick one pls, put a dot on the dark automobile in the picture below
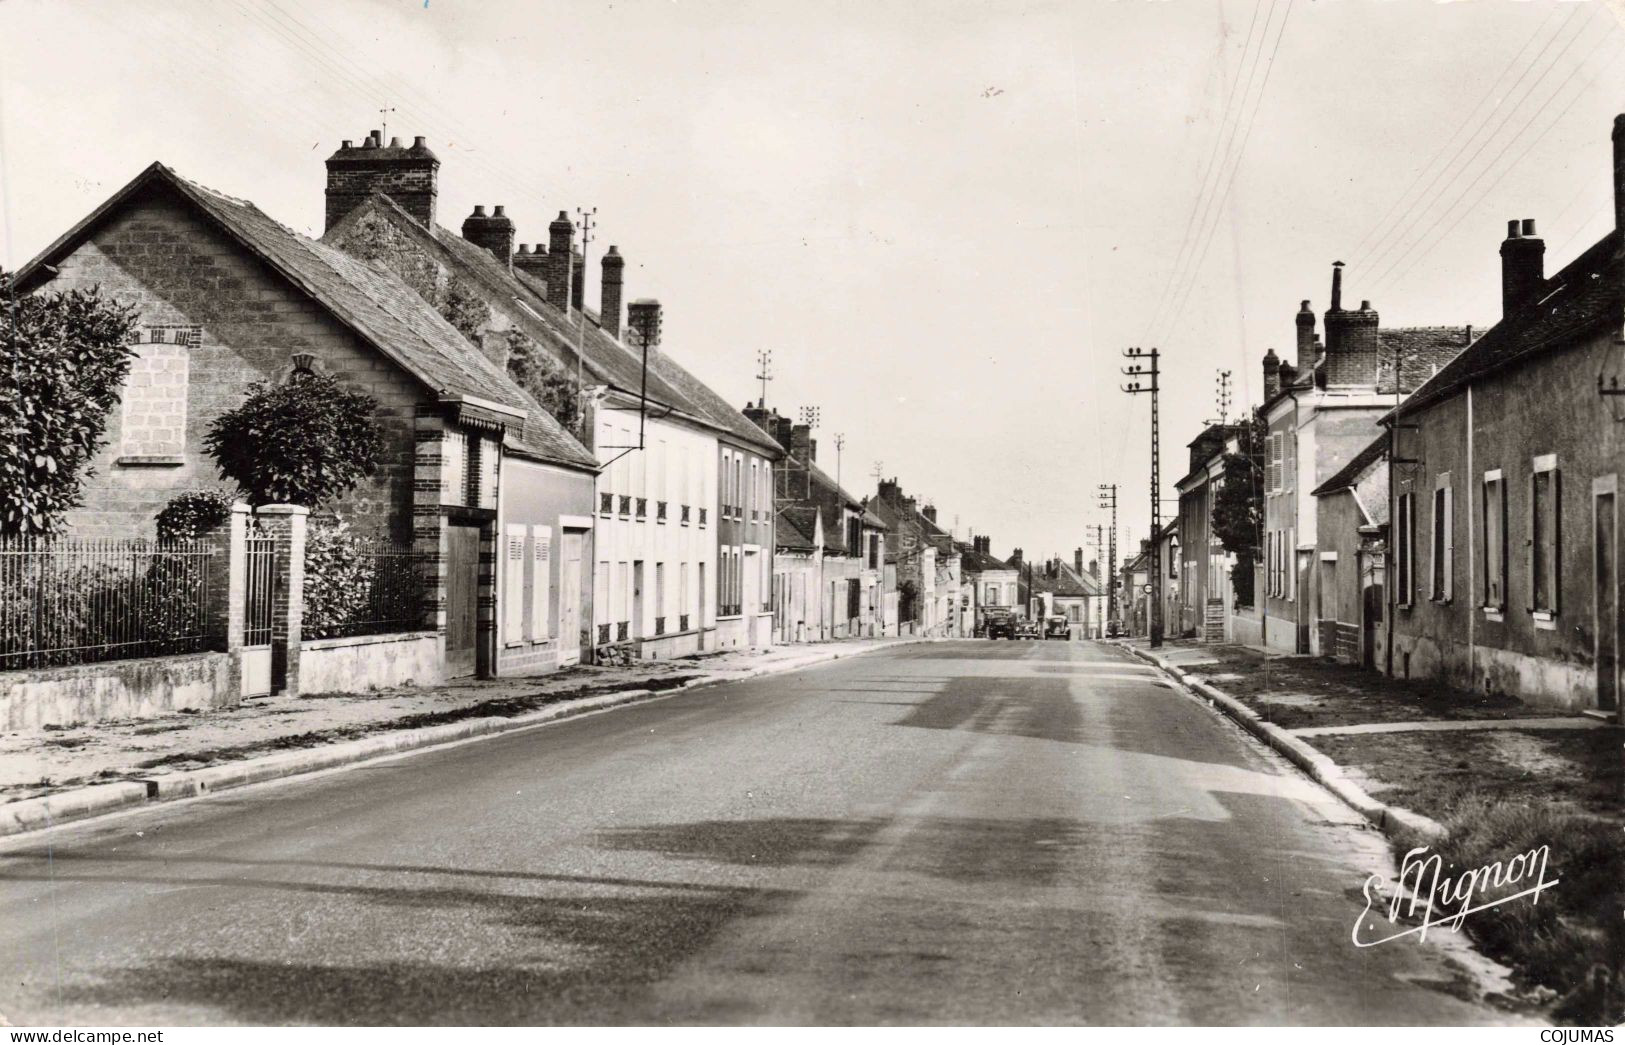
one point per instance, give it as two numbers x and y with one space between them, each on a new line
1027 629
1057 626
999 624
1114 629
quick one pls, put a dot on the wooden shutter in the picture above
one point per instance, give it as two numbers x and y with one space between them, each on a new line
541 583
1449 549
513 583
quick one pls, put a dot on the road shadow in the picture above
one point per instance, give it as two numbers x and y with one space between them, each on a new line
1041 708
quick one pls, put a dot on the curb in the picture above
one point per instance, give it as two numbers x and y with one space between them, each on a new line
35 814
1319 768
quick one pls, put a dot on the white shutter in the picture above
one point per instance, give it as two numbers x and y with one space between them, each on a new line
1275 463
513 584
1449 549
541 583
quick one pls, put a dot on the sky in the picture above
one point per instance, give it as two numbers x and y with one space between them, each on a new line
945 220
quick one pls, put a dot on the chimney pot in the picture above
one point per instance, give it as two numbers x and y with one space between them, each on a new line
479 210
394 143
419 142
498 211
1512 229
1337 287
345 144
1529 226
1307 350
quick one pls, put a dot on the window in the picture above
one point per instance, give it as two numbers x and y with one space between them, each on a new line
755 490
660 598
1289 457
1272 475
1444 544
1493 552
541 583
513 584
992 594
1545 536
1404 539
153 400
699 598
874 551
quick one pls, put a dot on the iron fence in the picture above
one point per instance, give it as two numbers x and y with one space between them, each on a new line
80 600
379 590
261 576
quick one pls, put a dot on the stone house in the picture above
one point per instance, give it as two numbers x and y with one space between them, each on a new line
1352 511
1206 604
850 591
227 297
926 558
1318 415
682 511
987 579
798 560
1073 591
1505 514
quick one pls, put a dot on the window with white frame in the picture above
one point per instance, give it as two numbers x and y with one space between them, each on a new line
1443 544
1545 536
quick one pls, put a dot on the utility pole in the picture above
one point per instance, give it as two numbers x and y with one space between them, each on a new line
1143 380
588 220
840 444
1108 499
764 373
1222 394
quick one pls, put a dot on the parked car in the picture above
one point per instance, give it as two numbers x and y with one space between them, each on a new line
1057 626
999 624
1027 629
1114 629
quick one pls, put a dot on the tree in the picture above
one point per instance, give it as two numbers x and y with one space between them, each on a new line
67 354
305 442
1238 508
544 379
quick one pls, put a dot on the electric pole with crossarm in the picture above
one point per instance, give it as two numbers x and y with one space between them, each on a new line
1108 499
1143 371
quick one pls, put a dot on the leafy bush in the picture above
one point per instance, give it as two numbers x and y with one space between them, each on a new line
305 442
189 516
67 354
339 576
544 379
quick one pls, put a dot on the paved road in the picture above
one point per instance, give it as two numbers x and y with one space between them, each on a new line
963 832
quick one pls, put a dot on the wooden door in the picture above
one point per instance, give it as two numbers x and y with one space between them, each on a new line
570 600
1605 526
462 599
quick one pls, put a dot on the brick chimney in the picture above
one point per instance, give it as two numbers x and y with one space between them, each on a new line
1523 266
1015 559
1307 349
408 176
560 232
1094 568
1353 353
578 280
930 512
609 291
1077 560
803 447
1272 372
532 263
492 231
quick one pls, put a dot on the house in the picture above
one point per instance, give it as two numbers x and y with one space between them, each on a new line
988 580
682 514
228 297
1071 590
1207 599
1136 594
1352 511
1506 487
850 590
798 559
1318 415
929 598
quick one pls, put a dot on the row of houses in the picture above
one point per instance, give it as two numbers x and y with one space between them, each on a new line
1433 502
570 492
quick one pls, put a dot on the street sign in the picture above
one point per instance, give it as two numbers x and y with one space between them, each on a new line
1146 588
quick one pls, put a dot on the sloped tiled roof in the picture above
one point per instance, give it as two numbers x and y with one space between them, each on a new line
1580 299
1422 352
371 301
796 528
973 561
524 299
1067 582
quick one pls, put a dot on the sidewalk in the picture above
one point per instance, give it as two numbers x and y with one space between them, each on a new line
56 774
1477 778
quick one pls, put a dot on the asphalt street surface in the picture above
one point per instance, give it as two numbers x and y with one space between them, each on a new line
964 832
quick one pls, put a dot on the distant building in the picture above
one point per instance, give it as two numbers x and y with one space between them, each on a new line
988 580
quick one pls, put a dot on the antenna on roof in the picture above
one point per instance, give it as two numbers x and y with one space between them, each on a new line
383 132
764 365
840 444
1221 392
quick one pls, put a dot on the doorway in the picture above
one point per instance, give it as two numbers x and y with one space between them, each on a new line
462 599
570 599
1605 554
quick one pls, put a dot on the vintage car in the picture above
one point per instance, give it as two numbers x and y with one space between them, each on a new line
1057 626
1114 629
1027 629
999 623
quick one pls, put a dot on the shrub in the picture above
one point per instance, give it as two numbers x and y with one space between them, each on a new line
305 442
67 354
189 516
339 574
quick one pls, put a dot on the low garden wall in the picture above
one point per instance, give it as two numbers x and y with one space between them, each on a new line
147 687
362 663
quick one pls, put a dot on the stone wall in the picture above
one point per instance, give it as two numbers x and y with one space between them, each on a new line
119 689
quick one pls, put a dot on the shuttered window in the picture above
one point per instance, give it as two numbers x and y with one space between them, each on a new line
1545 535
1494 552
513 583
1443 544
541 583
